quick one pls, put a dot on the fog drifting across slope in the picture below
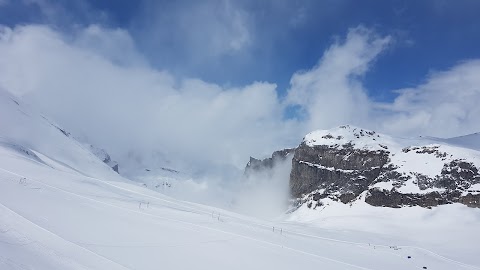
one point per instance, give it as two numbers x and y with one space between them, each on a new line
95 83
265 193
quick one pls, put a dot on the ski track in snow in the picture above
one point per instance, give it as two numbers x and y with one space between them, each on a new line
238 220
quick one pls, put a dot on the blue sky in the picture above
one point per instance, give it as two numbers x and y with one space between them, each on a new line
230 79
285 36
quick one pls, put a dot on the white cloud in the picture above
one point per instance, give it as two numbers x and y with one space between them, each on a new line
95 82
445 105
114 44
332 91
131 106
200 32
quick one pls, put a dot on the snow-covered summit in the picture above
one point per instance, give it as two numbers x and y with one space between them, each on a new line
403 153
348 135
344 162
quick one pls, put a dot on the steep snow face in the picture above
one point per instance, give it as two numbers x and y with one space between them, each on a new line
26 131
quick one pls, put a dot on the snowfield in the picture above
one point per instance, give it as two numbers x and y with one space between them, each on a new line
54 218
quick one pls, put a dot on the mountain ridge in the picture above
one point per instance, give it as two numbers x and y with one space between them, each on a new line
348 163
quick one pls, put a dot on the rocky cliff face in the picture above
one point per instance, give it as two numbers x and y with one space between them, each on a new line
256 165
343 172
348 164
104 156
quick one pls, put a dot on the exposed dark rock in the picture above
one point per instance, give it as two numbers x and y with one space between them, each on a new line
115 168
343 174
458 174
337 170
169 170
396 199
256 165
471 200
62 130
104 156
341 170
107 158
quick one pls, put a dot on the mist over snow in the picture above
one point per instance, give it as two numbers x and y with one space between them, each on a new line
265 193
96 82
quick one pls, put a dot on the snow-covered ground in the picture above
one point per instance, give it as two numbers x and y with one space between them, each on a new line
61 207
53 217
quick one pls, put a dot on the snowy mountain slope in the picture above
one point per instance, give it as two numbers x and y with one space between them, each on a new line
449 230
469 141
103 156
345 162
28 132
57 219
37 137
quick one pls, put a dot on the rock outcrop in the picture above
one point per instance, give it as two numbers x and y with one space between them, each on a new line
98 152
347 163
342 171
104 156
257 165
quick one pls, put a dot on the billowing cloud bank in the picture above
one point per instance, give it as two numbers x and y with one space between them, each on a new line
96 83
